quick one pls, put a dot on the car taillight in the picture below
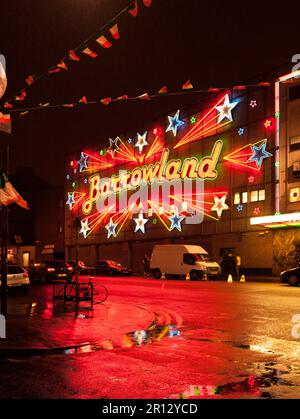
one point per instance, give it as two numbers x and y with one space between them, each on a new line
25 275
50 269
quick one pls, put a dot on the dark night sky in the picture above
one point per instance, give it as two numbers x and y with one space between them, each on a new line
211 43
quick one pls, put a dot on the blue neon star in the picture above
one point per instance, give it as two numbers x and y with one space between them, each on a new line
259 154
83 162
71 200
111 229
175 123
176 220
241 131
239 208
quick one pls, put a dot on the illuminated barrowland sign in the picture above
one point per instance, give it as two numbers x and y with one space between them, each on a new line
160 176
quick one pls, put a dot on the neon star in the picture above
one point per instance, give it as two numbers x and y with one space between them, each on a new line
241 131
140 223
141 142
239 208
251 179
253 103
71 200
220 205
226 109
257 211
175 123
113 146
83 162
111 228
176 220
84 228
259 154
268 123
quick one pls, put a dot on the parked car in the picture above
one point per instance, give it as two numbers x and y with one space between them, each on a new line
83 269
50 270
291 276
110 268
182 259
17 277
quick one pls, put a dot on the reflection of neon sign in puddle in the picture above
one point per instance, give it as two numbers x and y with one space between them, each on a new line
154 333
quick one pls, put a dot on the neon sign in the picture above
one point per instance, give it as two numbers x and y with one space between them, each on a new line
164 169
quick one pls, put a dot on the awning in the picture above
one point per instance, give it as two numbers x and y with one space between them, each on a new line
277 221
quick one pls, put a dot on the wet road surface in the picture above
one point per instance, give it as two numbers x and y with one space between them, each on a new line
234 340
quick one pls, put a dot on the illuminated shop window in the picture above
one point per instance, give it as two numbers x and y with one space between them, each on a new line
294 194
295 143
245 197
254 196
237 198
261 195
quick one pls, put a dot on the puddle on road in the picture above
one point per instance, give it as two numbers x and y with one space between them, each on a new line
258 386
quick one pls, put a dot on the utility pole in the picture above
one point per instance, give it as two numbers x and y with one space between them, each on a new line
4 233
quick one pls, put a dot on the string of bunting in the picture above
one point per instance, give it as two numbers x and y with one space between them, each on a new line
86 48
187 88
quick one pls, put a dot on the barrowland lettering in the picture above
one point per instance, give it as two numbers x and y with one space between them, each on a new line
164 170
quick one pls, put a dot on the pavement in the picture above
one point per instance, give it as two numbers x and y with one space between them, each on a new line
236 341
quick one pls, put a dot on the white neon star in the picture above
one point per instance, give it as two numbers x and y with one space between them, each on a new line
141 141
71 200
140 223
111 228
84 228
220 205
175 123
226 109
176 220
83 162
113 146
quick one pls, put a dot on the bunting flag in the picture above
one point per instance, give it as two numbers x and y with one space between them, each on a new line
8 105
8 194
53 70
21 96
5 123
147 3
123 97
106 101
134 10
44 105
83 100
187 85
163 90
90 53
114 30
73 56
62 65
104 42
144 96
29 80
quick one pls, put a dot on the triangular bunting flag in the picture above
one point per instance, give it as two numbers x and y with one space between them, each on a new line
8 194
147 3
145 96
103 42
187 85
21 96
106 101
73 56
163 90
29 80
83 100
240 88
5 123
68 105
124 97
114 30
8 105
53 70
214 90
62 65
134 10
90 53
44 105
23 113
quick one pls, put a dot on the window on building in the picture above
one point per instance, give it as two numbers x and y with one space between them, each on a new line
254 196
294 194
295 143
261 195
244 197
237 198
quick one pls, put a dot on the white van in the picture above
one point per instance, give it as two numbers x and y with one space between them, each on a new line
180 259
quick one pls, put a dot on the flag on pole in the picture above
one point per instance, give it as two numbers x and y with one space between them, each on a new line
8 194
5 123
104 42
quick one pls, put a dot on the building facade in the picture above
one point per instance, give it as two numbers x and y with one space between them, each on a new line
218 175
